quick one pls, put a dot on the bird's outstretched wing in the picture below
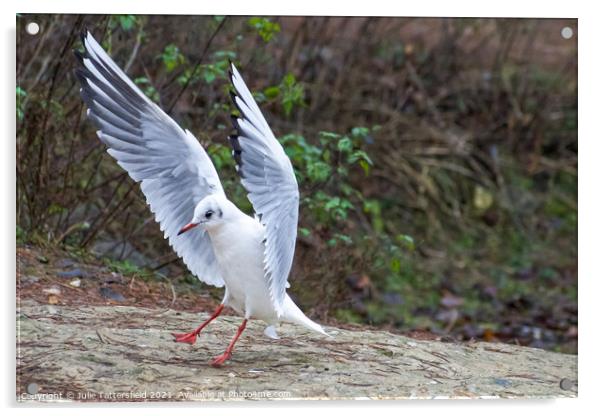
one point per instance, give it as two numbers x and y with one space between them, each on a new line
268 177
175 171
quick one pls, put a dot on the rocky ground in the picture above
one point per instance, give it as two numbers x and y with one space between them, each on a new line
107 353
76 342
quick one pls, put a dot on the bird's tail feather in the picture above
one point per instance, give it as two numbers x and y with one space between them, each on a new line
292 313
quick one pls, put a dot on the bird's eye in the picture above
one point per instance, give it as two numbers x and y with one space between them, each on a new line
208 214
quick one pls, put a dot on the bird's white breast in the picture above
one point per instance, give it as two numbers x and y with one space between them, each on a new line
239 249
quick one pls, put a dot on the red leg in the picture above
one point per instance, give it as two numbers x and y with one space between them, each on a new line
221 359
190 337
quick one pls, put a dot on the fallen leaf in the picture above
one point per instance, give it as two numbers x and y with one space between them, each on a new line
489 335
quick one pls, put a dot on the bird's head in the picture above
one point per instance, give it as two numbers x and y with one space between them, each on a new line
209 213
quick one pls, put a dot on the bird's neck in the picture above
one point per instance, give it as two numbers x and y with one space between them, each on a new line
233 224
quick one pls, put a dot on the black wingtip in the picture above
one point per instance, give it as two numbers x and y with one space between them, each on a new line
81 75
236 153
84 34
234 120
231 69
235 143
79 55
233 97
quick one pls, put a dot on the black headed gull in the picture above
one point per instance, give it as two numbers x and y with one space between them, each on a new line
222 246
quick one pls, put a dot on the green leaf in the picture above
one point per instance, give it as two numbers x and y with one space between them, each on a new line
148 89
360 131
345 145
289 80
127 21
334 202
264 27
209 76
55 208
395 265
272 92
221 155
20 95
218 69
172 58
359 155
344 238
347 240
292 93
225 55
406 241
125 267
328 135
342 171
372 207
188 77
21 235
365 166
318 171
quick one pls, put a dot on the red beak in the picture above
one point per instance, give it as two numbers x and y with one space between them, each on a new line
187 227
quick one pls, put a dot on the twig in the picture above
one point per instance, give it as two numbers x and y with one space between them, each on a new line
165 263
130 61
196 66
64 285
173 293
68 231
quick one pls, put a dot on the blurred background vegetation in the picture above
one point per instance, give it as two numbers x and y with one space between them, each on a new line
437 159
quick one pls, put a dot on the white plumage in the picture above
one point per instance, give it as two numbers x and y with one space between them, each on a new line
251 257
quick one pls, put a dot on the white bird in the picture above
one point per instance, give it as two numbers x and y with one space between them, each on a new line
221 245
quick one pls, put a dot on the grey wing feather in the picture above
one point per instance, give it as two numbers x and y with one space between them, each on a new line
268 177
174 170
